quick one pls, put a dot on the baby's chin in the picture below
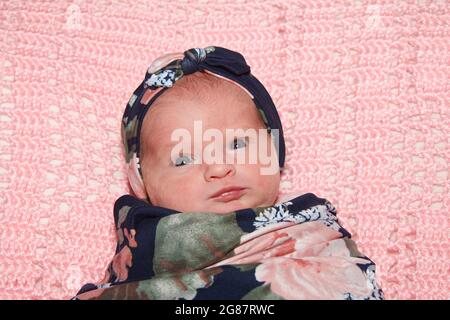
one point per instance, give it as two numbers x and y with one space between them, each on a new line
228 208
245 202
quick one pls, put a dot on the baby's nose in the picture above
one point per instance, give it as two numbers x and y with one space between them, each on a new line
218 171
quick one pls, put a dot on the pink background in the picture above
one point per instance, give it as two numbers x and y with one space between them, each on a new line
362 88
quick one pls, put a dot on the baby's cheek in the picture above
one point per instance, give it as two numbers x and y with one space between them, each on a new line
263 188
270 187
174 194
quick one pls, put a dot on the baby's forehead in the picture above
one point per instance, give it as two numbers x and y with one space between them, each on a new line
215 115
216 103
197 118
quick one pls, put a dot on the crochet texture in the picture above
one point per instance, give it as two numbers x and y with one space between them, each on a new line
362 89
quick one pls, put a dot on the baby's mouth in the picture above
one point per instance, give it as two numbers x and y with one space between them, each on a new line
228 194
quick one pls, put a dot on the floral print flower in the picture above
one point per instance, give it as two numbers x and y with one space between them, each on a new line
165 78
280 213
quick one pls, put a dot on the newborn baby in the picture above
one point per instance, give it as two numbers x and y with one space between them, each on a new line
204 149
178 95
187 185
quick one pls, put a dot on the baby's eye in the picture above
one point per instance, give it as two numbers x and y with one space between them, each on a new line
239 143
181 161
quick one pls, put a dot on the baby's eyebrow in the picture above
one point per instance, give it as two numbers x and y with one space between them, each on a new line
169 145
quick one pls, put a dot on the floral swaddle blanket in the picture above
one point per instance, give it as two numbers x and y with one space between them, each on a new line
293 250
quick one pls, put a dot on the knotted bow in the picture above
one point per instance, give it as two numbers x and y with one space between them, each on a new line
196 59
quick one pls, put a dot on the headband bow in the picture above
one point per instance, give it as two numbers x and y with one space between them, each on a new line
221 60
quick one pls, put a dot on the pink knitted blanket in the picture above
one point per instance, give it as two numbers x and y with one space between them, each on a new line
362 90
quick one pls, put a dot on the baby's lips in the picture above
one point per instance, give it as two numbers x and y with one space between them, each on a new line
228 194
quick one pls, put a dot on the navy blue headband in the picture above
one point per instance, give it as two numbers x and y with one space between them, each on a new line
162 75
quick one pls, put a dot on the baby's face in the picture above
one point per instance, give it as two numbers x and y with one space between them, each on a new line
188 185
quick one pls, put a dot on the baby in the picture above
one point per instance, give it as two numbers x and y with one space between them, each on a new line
204 149
186 181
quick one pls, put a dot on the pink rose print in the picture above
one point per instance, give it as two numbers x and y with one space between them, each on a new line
313 278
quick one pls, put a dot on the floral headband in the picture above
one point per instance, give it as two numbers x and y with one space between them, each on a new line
162 75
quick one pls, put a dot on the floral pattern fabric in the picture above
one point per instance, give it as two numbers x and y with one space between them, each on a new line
293 250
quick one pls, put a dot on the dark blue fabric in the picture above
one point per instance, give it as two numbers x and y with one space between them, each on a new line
231 284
